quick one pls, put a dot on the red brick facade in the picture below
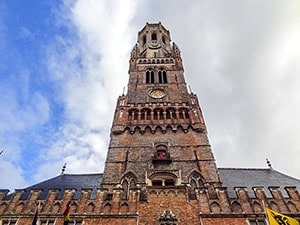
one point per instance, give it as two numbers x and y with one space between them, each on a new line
160 168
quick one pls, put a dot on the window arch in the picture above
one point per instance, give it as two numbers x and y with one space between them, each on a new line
162 76
154 36
144 39
183 113
133 114
158 114
149 77
145 114
129 181
163 39
171 113
195 180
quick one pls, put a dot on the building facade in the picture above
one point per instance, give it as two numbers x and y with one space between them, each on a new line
160 168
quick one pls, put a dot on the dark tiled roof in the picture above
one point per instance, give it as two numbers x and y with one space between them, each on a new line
66 181
238 177
231 178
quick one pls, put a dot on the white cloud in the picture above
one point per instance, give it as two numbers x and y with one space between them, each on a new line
90 70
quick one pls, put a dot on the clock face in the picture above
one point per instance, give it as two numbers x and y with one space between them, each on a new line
157 93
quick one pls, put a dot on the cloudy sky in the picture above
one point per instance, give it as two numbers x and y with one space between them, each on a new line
64 63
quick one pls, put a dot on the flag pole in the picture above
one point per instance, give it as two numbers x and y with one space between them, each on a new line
266 214
201 221
35 218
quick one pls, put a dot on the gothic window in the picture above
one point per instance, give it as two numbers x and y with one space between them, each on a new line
162 76
195 180
168 218
158 114
145 114
129 181
183 113
153 37
186 113
168 114
125 189
171 113
163 39
144 39
149 77
155 114
132 115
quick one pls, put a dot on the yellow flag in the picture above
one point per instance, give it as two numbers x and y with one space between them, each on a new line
276 218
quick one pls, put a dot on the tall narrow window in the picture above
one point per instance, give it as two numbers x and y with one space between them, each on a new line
162 76
149 77
153 37
144 39
163 39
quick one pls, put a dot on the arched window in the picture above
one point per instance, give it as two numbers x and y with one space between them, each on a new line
163 39
149 77
171 113
129 181
133 115
158 114
183 113
153 37
145 114
144 39
162 76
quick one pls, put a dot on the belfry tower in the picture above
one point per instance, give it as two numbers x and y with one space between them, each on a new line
158 137
160 169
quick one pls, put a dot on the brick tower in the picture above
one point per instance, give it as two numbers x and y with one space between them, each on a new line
160 169
158 137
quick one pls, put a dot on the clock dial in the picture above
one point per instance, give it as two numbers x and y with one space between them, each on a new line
157 93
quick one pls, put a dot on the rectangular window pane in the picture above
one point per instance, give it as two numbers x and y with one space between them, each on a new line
253 223
261 223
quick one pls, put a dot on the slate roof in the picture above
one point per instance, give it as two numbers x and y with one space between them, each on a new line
231 178
66 181
238 177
